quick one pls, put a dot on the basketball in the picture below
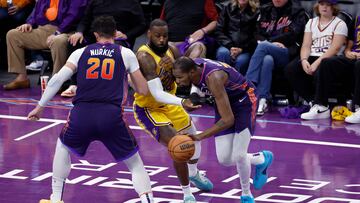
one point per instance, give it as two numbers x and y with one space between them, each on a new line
181 148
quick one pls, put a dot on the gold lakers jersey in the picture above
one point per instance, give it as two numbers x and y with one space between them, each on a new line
163 73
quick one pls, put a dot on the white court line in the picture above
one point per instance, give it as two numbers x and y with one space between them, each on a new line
37 131
275 139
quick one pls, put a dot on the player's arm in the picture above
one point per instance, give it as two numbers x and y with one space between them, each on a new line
175 51
136 80
215 83
148 69
52 88
55 83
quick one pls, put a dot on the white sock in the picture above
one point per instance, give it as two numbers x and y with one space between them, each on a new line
192 169
256 158
140 177
61 170
186 190
147 198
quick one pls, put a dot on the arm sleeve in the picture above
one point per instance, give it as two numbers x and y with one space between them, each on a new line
75 56
351 32
130 61
157 91
55 84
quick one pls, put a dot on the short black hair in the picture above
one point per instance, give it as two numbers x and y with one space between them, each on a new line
157 22
185 64
105 26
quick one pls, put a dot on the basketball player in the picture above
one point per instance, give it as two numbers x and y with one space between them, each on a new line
101 69
235 113
161 113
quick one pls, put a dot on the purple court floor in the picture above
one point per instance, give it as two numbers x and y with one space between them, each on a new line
315 161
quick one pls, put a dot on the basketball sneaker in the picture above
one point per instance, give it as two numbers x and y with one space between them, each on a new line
48 201
317 112
247 199
189 199
354 118
201 182
263 107
261 175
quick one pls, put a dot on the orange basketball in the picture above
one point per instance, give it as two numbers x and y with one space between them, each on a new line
181 148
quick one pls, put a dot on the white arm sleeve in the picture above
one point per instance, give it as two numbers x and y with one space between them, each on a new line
75 56
130 61
157 91
55 84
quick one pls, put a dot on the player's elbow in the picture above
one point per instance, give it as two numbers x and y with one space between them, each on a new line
229 121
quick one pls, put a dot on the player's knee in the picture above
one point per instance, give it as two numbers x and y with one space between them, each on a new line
240 157
224 159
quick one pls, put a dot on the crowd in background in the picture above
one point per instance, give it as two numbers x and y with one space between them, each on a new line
307 55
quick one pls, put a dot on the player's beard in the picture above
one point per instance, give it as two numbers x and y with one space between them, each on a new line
159 50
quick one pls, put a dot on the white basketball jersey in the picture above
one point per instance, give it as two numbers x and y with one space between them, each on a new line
322 35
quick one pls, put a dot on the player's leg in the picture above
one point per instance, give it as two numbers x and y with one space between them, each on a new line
61 170
140 178
182 123
240 147
181 168
196 177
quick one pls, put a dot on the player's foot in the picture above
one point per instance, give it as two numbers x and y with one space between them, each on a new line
261 175
48 201
247 199
354 118
189 199
201 181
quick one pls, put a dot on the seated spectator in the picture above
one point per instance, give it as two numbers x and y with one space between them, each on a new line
130 23
340 69
279 30
324 37
53 20
12 16
189 23
235 33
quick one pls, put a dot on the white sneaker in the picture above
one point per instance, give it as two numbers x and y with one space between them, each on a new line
354 118
35 65
263 107
316 112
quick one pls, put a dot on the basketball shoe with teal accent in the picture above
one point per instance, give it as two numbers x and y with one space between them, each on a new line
261 175
189 199
247 199
201 182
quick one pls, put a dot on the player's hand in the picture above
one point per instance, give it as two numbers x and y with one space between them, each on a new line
167 63
35 114
189 106
197 137
25 28
75 38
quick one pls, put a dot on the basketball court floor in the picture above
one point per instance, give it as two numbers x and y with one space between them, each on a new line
315 161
